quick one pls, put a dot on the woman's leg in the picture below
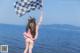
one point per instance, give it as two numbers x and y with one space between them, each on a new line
26 46
31 44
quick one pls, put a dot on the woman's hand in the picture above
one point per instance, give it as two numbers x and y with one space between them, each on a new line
34 39
24 33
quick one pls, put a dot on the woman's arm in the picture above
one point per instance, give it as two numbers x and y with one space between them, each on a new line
40 19
38 24
36 33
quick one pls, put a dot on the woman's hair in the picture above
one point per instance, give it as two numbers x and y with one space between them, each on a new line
32 26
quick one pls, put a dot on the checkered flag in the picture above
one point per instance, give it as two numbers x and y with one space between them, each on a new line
24 6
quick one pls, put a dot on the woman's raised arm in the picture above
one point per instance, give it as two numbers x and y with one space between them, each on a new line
40 19
38 24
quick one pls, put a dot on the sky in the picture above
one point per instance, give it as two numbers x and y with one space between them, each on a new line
55 12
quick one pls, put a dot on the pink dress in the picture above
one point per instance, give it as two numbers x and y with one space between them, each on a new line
27 35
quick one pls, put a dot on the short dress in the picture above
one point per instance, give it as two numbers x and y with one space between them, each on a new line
28 35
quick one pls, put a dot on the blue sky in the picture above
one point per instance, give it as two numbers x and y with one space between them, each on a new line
55 12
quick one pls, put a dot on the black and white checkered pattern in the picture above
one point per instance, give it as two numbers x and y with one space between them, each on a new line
24 6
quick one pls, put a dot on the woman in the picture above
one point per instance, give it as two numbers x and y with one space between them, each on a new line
31 33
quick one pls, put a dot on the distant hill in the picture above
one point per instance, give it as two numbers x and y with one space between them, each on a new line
54 26
62 26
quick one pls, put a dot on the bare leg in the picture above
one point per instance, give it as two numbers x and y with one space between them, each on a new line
30 50
30 47
27 45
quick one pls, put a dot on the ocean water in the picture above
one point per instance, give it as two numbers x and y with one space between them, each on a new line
51 39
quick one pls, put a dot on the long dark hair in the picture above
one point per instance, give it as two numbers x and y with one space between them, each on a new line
32 26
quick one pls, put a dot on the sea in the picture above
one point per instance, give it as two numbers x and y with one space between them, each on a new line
55 38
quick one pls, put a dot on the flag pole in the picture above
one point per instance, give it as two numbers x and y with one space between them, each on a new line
42 9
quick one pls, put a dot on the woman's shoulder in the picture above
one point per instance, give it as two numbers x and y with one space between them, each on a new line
37 26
